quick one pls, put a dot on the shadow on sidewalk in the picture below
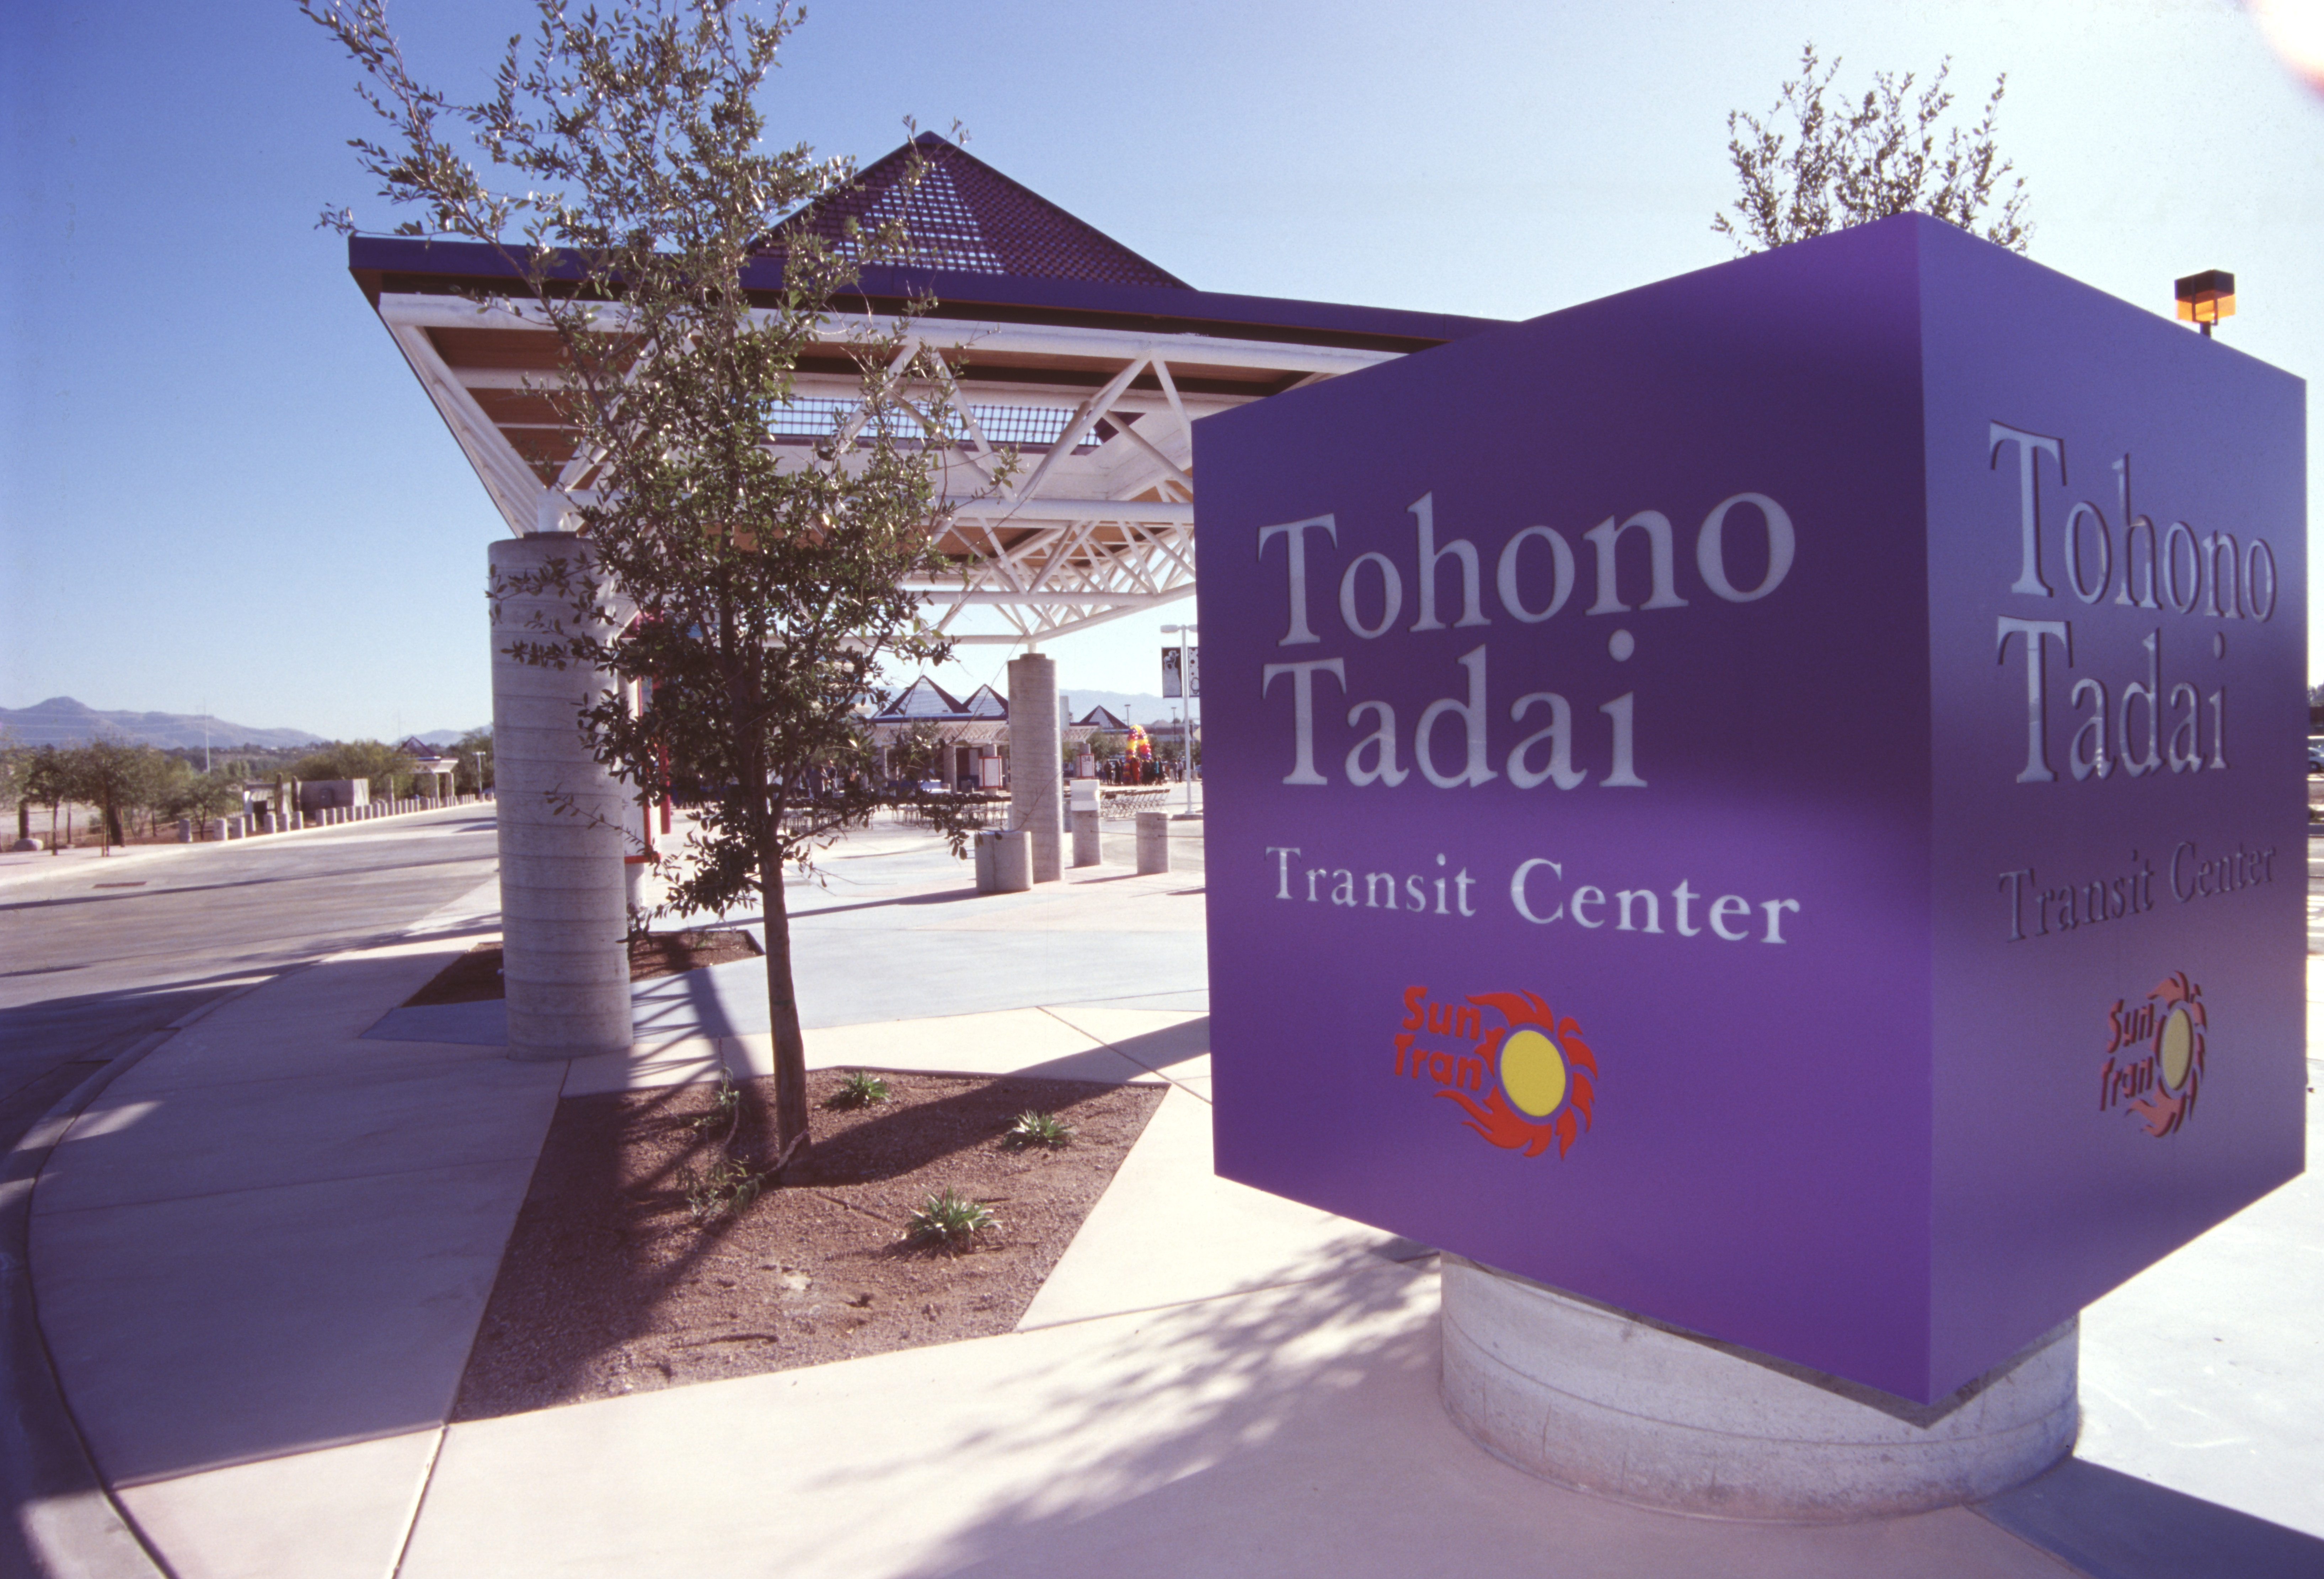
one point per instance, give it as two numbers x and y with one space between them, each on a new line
2114 1526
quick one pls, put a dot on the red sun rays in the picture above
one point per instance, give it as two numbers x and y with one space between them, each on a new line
1503 1125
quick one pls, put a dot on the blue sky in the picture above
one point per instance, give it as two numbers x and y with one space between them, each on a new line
222 487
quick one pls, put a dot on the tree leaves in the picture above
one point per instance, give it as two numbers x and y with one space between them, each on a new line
1846 162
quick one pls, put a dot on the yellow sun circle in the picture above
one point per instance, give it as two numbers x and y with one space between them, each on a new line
2177 1047
1533 1071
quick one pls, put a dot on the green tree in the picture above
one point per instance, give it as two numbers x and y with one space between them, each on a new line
1844 162
916 753
624 180
15 767
118 777
48 782
472 755
204 796
376 763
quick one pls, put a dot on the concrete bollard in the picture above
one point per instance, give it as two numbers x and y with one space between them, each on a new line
215 828
238 828
1004 860
1036 780
185 830
1012 861
1088 849
1153 841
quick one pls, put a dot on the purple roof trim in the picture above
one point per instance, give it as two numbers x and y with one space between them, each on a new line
446 266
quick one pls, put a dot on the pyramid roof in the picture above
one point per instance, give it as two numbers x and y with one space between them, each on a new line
1101 718
923 699
966 217
984 702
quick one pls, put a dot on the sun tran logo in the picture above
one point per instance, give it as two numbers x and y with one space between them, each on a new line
1539 1071
2154 1055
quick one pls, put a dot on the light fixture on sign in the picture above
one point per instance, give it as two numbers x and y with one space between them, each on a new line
2206 298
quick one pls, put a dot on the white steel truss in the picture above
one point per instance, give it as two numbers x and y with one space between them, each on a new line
1094 525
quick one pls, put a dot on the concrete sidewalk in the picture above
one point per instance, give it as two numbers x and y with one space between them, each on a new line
262 1255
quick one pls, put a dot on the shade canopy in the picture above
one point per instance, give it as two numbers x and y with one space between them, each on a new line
1088 361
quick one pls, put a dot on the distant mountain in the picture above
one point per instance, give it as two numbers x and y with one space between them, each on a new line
62 721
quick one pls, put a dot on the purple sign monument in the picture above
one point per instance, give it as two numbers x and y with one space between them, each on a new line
1774 800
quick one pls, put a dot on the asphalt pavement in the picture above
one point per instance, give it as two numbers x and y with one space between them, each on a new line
97 953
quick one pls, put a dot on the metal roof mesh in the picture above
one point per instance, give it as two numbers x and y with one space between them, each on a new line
967 217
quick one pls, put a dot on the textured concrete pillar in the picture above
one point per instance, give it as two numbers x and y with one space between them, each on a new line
1036 769
564 922
1589 1395
1153 841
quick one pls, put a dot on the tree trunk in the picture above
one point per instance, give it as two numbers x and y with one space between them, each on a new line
792 1145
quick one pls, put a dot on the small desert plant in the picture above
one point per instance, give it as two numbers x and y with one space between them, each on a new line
725 1106
727 1186
1033 1129
950 1220
860 1088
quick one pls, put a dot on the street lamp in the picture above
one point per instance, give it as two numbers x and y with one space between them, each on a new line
1185 710
2206 298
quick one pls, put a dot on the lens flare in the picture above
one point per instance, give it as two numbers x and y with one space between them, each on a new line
2294 30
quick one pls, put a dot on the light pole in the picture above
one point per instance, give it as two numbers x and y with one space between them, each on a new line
1186 711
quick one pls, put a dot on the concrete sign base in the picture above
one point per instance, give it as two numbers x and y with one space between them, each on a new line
1607 1401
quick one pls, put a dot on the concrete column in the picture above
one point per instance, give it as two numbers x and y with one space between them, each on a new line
1587 1395
1153 841
1035 769
564 920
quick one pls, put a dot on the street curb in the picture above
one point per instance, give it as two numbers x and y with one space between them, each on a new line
65 1524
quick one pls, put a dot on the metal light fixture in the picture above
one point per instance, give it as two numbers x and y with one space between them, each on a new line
2206 298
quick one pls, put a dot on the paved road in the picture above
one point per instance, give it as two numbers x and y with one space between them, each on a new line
85 970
